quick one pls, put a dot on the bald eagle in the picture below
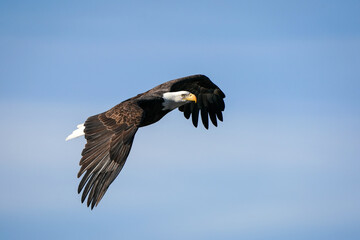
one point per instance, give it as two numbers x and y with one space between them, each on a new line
110 134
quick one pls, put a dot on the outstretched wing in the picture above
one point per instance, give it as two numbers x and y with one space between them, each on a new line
210 99
109 138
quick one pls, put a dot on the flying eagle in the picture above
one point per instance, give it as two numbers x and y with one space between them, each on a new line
110 134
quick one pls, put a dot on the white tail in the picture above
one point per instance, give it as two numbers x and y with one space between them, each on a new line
77 133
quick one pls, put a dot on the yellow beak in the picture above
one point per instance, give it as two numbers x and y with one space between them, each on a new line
191 97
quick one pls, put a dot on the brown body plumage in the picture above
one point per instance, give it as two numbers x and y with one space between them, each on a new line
110 134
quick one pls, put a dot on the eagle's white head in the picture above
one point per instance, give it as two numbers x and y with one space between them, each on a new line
174 100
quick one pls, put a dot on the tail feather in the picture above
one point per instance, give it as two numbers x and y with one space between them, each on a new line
76 133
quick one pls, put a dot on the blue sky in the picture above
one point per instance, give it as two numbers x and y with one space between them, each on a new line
284 164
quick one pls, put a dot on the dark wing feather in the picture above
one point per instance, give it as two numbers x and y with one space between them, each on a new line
109 138
210 99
